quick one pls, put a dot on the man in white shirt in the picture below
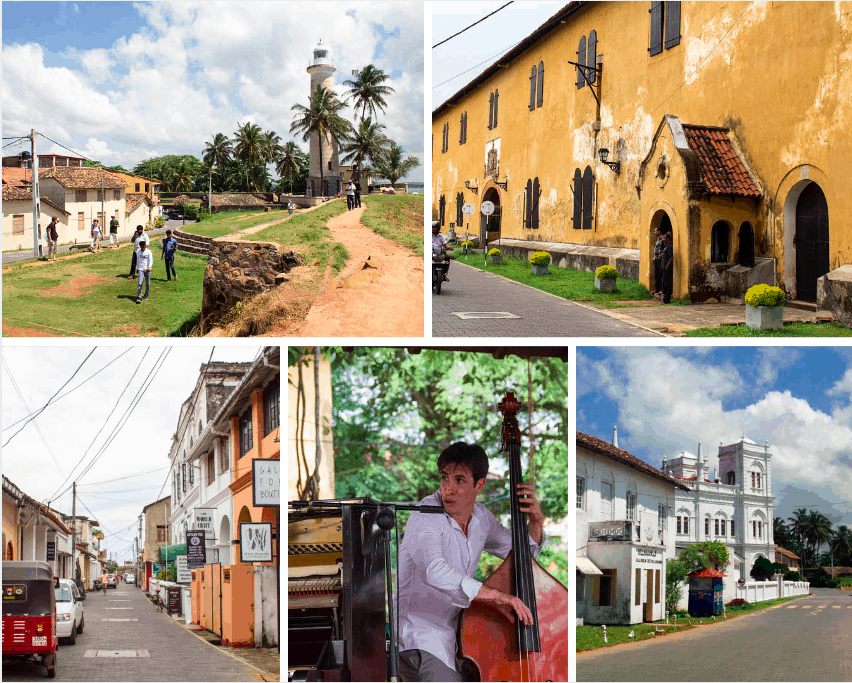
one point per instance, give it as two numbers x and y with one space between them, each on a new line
438 558
440 242
144 263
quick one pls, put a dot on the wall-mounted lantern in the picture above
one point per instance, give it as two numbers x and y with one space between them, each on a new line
603 153
473 188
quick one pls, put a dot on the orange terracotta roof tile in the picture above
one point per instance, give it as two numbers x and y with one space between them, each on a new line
134 199
17 176
87 178
707 573
16 193
724 172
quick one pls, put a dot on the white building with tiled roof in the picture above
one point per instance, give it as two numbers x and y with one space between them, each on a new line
18 217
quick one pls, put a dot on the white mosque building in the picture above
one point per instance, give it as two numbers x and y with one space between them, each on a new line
734 506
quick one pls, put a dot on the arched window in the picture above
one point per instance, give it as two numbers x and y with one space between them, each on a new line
746 240
536 193
588 190
581 59
578 200
719 239
540 98
532 88
591 56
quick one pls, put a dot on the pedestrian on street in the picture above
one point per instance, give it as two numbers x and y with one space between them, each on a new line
658 270
52 239
144 263
350 196
170 246
667 265
104 581
140 231
113 231
96 236
358 194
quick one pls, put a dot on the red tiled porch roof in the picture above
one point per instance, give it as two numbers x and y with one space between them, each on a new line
724 172
707 573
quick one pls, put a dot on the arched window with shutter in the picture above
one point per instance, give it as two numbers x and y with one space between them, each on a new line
528 205
532 88
540 98
536 192
591 55
588 193
496 100
581 59
578 200
491 111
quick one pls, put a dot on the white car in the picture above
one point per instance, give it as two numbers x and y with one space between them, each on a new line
69 611
129 578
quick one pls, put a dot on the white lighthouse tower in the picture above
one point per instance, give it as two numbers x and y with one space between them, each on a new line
321 70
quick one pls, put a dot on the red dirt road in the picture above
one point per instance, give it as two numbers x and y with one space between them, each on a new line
384 299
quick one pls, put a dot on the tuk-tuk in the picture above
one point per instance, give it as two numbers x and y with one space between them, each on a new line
29 613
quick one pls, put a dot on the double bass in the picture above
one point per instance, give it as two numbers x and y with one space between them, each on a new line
494 649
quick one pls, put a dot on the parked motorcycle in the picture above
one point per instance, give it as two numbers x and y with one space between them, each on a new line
440 266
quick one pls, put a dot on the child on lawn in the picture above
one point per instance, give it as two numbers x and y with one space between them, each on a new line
144 263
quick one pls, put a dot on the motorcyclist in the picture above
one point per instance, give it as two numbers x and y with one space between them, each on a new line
439 245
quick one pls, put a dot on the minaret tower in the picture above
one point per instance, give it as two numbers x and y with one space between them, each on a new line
321 70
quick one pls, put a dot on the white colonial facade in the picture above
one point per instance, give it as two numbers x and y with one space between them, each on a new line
624 534
734 506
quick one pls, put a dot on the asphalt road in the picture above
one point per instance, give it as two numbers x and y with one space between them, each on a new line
809 639
496 307
125 621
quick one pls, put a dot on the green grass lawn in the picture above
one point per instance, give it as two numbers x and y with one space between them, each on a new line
229 222
792 330
91 296
591 637
306 234
574 285
396 217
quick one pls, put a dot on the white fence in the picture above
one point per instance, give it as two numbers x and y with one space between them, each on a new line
760 591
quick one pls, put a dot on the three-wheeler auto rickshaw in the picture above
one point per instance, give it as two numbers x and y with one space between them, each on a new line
29 613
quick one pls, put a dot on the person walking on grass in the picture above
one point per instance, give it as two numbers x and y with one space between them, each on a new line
144 263
140 232
358 194
113 231
52 239
170 246
350 196
96 236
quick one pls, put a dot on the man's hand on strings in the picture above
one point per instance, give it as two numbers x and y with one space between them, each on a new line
529 505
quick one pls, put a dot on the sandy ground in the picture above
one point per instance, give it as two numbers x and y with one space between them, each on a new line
378 294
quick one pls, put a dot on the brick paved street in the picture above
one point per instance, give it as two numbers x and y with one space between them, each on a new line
802 640
174 653
538 314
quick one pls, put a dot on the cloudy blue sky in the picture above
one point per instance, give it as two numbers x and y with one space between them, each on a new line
666 399
132 470
121 82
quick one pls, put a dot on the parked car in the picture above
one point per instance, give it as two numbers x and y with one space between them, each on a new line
69 611
129 578
111 581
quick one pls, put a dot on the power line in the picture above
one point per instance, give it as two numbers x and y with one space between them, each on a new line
52 397
478 65
129 476
51 402
64 147
472 25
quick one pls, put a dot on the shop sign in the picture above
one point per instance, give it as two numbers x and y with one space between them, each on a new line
51 551
620 530
265 482
184 573
204 520
256 542
645 556
196 551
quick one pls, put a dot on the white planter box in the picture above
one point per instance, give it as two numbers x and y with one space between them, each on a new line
496 259
605 284
765 317
539 270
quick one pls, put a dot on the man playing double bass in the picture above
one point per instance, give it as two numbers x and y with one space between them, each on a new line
438 558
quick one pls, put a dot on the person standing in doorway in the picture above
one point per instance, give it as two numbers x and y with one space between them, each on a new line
144 263
170 246
52 239
113 231
667 265
659 245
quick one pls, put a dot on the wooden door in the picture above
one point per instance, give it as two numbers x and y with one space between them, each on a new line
811 241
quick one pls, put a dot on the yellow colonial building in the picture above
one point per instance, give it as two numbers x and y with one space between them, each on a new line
727 123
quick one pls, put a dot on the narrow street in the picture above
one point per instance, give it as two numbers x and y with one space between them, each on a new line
125 638
479 304
802 640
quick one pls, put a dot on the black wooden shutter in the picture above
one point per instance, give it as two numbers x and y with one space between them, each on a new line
528 207
496 99
532 88
672 24
491 112
578 199
536 191
461 129
459 205
540 84
591 55
588 187
581 59
441 204
656 28
465 126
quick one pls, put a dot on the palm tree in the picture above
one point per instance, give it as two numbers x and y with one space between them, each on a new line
393 167
367 143
817 531
287 162
841 544
367 91
250 147
272 147
182 177
781 532
321 117
798 522
218 153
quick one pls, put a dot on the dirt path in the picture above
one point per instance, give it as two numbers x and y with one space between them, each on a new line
378 294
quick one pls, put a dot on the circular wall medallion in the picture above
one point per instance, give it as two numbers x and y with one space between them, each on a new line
663 171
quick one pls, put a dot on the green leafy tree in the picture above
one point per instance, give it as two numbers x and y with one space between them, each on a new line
367 90
841 545
367 143
249 149
764 570
676 574
781 532
393 167
287 163
818 531
218 153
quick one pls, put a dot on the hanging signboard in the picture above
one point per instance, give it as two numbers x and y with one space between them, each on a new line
265 482
196 551
184 573
51 551
204 520
256 542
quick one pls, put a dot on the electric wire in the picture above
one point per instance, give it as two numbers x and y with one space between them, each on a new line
52 397
129 476
472 25
63 146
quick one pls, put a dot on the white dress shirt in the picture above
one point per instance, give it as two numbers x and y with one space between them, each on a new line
144 260
436 567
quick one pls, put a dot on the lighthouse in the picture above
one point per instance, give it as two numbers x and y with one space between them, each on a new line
321 70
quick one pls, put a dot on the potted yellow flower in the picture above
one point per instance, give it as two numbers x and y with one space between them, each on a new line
765 307
540 261
605 278
495 256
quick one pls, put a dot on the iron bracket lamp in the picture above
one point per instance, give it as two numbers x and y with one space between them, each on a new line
603 153
502 185
472 188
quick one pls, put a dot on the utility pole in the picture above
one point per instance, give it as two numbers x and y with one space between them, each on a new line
36 200
103 210
74 530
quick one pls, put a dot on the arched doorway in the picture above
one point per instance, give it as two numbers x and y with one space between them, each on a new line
662 221
811 241
225 540
489 228
746 242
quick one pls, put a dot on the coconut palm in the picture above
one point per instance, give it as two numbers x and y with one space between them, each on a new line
781 532
182 177
798 523
321 117
817 531
249 148
393 167
287 162
367 143
218 152
841 544
272 147
367 91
